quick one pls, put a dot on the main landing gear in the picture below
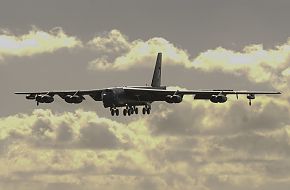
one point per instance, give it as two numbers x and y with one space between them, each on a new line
146 110
114 111
130 110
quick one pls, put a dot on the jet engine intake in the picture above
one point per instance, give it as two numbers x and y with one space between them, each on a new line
218 98
73 99
173 99
30 96
222 98
44 98
251 96
214 99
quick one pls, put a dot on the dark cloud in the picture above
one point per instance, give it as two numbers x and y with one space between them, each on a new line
41 131
216 182
176 122
44 132
240 118
255 144
148 183
98 136
278 169
236 118
64 133
11 184
125 171
275 184
63 186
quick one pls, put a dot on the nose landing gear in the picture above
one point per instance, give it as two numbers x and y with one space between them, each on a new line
146 109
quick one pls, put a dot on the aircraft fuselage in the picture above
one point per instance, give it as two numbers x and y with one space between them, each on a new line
117 97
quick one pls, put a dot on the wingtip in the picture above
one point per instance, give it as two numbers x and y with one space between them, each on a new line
20 93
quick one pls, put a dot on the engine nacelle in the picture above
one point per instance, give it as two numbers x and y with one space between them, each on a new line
214 99
168 99
218 98
173 99
222 98
44 98
30 96
251 96
176 98
73 99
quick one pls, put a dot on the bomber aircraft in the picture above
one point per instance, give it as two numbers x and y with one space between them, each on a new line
130 97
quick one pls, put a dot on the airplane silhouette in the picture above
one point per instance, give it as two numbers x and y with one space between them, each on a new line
130 97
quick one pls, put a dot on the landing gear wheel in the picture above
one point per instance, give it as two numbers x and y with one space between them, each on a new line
132 111
117 112
125 112
112 112
144 111
129 112
148 111
136 110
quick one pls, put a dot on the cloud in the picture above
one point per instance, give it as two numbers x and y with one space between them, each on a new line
45 130
98 136
135 53
35 42
253 61
227 145
232 117
286 72
111 42
223 145
212 146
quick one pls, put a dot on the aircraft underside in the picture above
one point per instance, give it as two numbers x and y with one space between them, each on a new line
130 109
130 104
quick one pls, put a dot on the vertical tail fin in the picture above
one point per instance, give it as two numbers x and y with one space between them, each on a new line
156 80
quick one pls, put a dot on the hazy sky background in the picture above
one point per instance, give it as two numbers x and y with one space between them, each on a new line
70 44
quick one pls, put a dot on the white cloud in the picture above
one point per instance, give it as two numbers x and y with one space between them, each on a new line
254 62
225 145
137 52
35 42
257 63
111 42
286 72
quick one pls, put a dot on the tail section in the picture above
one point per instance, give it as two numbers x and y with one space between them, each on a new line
156 80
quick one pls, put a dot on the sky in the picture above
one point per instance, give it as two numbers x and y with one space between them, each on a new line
90 44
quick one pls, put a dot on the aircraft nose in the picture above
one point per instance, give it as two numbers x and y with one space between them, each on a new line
108 100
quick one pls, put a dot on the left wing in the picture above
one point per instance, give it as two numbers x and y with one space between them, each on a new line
175 96
140 91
